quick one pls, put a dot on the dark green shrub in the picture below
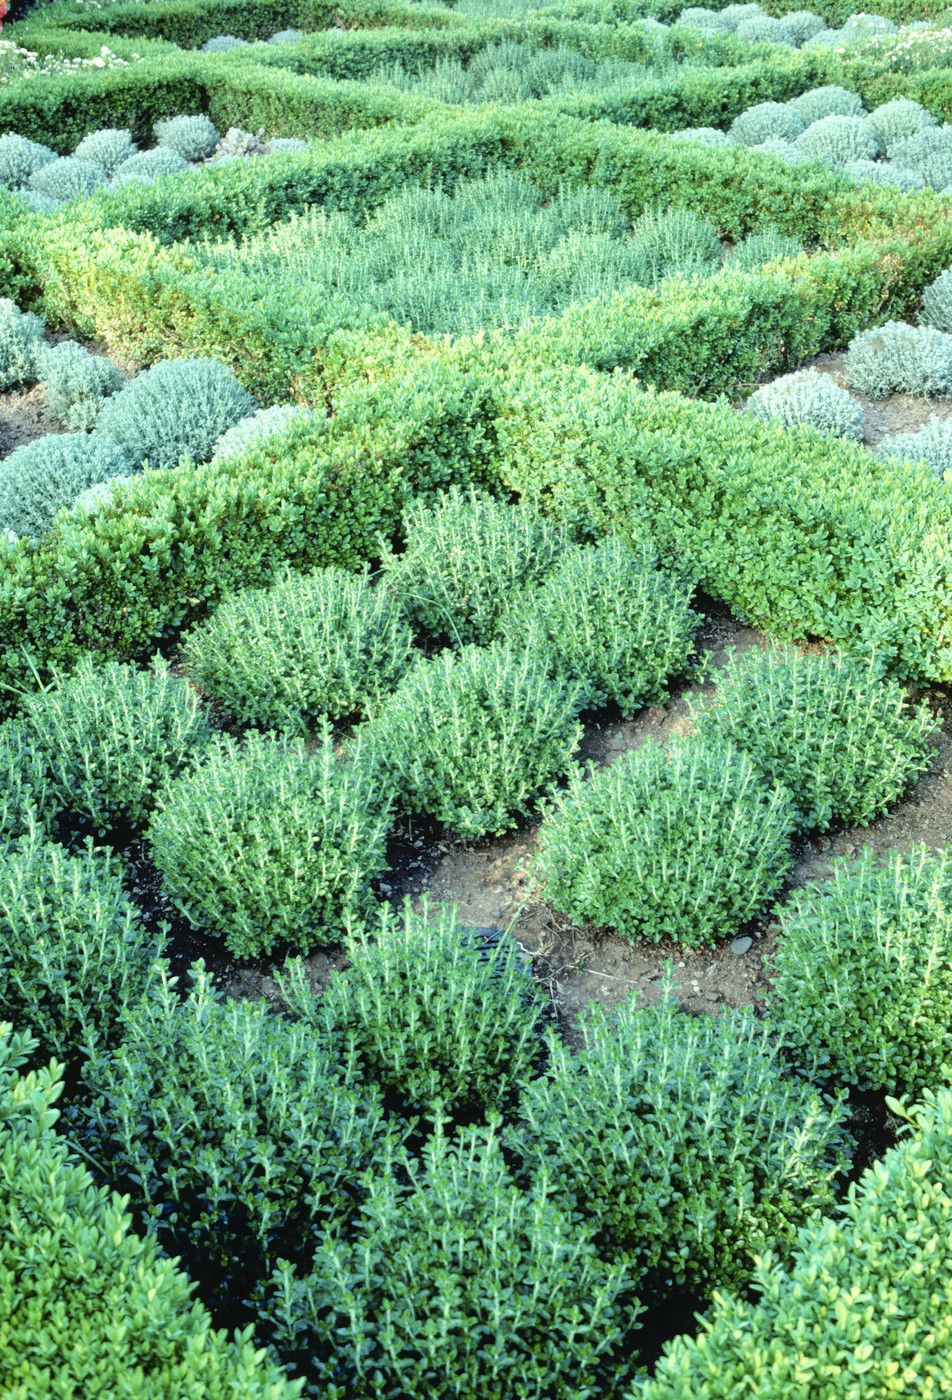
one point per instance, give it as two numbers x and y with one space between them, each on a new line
687 843
109 148
889 1248
441 1024
465 558
192 138
486 1290
844 742
681 1142
474 738
21 337
239 1134
73 952
609 622
264 844
38 480
76 384
311 647
179 408
90 1308
109 736
862 989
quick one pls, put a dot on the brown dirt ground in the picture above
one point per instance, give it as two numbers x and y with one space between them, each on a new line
24 416
901 413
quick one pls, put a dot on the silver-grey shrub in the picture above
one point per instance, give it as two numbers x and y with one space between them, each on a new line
147 166
40 479
108 148
830 100
757 249
883 172
764 29
931 445
21 340
838 140
765 122
937 302
703 135
804 24
76 384
897 358
20 159
68 178
221 43
179 408
193 138
808 398
249 433
899 119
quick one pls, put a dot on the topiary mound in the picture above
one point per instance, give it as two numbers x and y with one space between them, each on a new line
109 148
474 738
309 648
147 166
931 445
845 743
76 384
928 153
828 101
804 25
687 843
838 140
221 43
465 558
896 358
251 432
67 178
899 119
767 121
38 480
757 249
781 150
179 408
265 844
192 138
808 398
763 29
21 339
736 14
862 989
20 159
700 17
883 172
704 135
937 302
109 736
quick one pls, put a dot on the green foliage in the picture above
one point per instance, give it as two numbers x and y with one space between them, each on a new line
193 138
673 244
937 302
67 178
264 844
109 736
757 249
804 25
444 1026
145 167
931 445
610 623
765 122
179 408
20 159
844 742
24 783
38 480
76 383
109 148
900 359
309 648
680 1141
465 558
838 140
487 1291
862 979
474 738
687 843
888 1247
899 119
90 1308
21 337
240 1134
811 398
704 135
703 18
249 433
828 101
763 29
74 953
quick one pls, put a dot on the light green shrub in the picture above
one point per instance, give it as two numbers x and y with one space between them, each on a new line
179 408
311 647
899 119
845 743
192 138
673 243
937 302
21 338
767 121
838 140
68 178
804 25
757 249
38 480
883 172
931 445
687 843
221 43
444 1026
109 148
474 738
680 1141
700 17
704 135
900 359
249 433
264 844
145 167
20 159
76 383
828 101
763 29
809 398
24 783
465 558
109 736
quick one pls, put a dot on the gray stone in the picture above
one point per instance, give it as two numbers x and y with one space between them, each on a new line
742 945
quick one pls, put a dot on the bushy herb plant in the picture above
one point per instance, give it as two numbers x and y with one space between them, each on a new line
24 796
21 337
831 100
474 738
803 25
838 140
310 647
443 1024
221 43
757 249
249 433
145 167
264 843
931 445
68 178
108 148
843 741
20 159
883 172
39 479
928 151
76 384
900 359
672 243
767 121
681 1141
687 844
764 29
808 398
937 302
179 408
899 119
193 138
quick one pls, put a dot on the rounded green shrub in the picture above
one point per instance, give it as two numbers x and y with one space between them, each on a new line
899 119
845 743
310 647
687 843
38 480
758 249
109 735
672 243
681 1141
76 384
704 135
804 25
487 1290
474 738
147 166
900 359
838 140
465 557
21 339
610 623
828 101
808 398
764 29
193 138
20 159
937 302
883 172
108 148
931 445
241 1135
68 178
264 844
73 951
444 1026
862 979
767 121
179 408
249 433
868 25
